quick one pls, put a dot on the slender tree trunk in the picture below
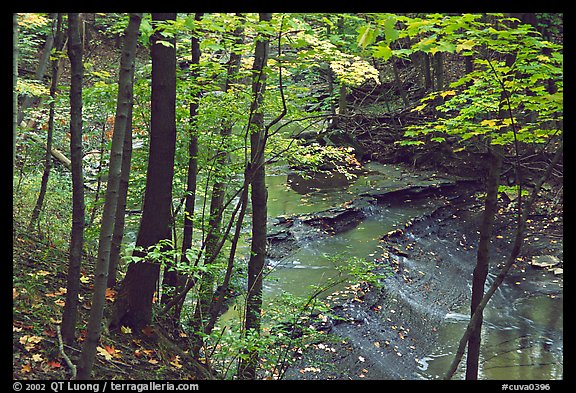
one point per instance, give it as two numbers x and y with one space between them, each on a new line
14 84
247 368
118 235
77 235
173 278
133 306
428 81
483 260
399 86
214 236
57 25
189 204
438 60
110 205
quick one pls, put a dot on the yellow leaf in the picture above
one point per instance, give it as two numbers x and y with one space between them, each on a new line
84 279
488 122
419 108
444 94
176 362
37 358
125 330
104 352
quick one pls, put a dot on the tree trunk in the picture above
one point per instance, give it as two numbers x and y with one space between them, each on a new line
247 368
14 84
438 60
214 235
77 235
118 235
110 204
173 278
483 260
57 25
133 306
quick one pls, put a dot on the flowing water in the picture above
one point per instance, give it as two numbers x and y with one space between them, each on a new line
522 336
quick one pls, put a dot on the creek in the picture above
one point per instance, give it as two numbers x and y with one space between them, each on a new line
523 331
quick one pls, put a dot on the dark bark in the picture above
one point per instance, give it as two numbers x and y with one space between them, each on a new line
247 368
172 278
399 85
110 206
70 313
133 306
118 235
483 260
438 60
428 81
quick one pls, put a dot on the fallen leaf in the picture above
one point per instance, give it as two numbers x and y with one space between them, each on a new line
153 361
14 293
148 331
110 294
361 358
26 368
176 362
37 357
54 364
104 352
376 344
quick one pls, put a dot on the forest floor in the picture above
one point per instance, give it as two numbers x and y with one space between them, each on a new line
38 297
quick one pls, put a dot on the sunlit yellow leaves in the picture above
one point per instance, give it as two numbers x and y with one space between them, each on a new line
465 45
32 20
447 93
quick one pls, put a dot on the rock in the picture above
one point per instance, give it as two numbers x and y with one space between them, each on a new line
544 261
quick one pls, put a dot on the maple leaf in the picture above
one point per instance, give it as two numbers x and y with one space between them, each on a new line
37 357
26 368
54 364
104 352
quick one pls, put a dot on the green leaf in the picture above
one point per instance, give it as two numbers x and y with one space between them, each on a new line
367 36
390 32
383 51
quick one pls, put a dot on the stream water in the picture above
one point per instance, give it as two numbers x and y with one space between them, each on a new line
523 332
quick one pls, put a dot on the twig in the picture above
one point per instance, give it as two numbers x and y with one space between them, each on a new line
66 358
